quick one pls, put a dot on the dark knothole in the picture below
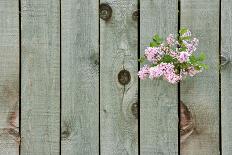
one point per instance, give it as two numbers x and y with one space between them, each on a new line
124 77
105 11
134 109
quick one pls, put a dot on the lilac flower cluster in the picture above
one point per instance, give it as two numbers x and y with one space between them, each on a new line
172 59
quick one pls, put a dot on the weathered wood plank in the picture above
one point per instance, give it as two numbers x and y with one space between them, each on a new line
159 100
40 117
80 77
201 93
226 77
118 51
9 79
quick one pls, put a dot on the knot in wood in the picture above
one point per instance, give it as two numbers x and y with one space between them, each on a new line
135 15
65 134
124 77
135 109
105 11
225 59
186 122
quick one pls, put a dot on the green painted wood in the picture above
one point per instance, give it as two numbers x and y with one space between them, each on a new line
118 51
226 75
80 77
158 99
40 83
9 79
201 93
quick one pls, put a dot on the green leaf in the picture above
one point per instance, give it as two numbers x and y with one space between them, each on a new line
182 49
153 65
183 31
185 38
201 57
197 67
142 59
204 66
157 38
193 59
154 44
184 65
167 59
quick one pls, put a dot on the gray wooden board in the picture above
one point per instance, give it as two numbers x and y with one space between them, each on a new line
118 51
226 77
201 93
80 77
9 79
158 99
40 83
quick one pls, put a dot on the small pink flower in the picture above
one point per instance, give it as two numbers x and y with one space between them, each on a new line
192 71
170 39
183 57
187 34
183 74
144 72
153 54
155 72
191 46
172 78
173 53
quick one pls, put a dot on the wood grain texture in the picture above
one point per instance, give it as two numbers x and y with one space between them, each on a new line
40 83
226 77
118 51
9 79
201 93
80 77
158 99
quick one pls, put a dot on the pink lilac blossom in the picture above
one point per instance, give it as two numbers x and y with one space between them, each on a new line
153 54
144 72
183 74
155 72
166 70
183 57
172 53
172 78
170 39
169 67
191 46
192 71
187 34
169 72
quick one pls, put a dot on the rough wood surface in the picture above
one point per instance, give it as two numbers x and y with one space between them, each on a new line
158 99
40 83
80 77
9 79
118 51
201 93
226 77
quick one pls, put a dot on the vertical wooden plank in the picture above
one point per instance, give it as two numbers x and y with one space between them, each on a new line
159 99
40 117
9 79
226 77
118 54
201 93
80 77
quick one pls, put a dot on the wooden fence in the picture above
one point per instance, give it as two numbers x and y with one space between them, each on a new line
69 84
